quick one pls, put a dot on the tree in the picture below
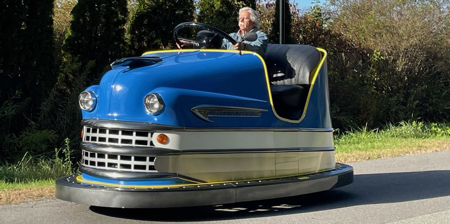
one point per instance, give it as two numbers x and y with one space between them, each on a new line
408 42
249 3
26 48
61 24
222 14
97 33
154 21
38 53
274 35
12 18
26 63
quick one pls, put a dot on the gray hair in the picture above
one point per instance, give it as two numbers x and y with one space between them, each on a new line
254 16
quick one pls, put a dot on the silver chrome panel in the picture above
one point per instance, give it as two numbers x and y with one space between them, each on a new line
293 149
128 125
159 151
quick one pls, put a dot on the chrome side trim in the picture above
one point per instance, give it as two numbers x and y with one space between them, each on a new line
227 151
206 111
129 151
283 129
129 125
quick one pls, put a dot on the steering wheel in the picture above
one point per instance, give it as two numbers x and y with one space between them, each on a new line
203 27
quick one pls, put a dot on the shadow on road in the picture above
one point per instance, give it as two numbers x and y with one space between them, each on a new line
366 189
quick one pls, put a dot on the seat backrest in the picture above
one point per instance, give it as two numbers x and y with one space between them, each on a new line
291 64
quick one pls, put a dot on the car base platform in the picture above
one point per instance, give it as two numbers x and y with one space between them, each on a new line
69 188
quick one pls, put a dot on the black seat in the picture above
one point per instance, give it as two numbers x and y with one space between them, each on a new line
289 68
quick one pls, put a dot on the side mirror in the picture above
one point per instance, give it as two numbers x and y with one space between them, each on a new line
250 36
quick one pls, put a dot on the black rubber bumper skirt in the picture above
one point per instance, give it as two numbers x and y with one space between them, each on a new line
68 189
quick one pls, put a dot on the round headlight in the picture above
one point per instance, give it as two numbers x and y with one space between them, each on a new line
87 100
153 103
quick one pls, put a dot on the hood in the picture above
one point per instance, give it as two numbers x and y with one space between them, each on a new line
122 90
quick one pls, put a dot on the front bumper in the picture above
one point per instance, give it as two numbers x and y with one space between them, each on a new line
70 189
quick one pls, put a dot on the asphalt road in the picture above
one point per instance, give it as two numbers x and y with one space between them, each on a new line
411 189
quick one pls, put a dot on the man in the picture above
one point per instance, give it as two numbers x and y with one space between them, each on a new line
248 21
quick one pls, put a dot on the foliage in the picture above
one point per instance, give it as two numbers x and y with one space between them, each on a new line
30 141
402 65
274 35
12 18
37 59
269 19
248 3
61 24
31 169
222 14
419 129
266 10
154 21
26 64
395 79
9 111
97 33
61 107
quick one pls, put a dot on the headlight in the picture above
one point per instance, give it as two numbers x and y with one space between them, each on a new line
87 100
153 103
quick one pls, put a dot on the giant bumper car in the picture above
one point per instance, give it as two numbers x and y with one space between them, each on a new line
197 127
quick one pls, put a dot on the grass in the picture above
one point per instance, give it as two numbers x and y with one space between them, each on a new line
31 180
26 192
408 138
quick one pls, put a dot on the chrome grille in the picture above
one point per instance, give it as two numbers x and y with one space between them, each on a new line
107 136
118 162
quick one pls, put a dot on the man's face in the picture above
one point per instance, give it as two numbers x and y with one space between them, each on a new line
245 24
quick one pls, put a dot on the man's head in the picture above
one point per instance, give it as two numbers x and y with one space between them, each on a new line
248 19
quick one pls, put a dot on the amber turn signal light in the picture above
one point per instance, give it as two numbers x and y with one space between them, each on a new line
162 138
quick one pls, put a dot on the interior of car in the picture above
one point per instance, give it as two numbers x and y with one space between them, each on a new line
290 67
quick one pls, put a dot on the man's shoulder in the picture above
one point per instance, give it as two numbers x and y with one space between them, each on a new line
261 35
259 32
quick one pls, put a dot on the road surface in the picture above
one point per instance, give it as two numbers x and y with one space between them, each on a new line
411 189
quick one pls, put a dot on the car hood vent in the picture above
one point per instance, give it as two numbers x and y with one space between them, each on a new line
136 62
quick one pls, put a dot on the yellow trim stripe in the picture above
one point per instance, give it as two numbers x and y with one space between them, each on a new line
80 179
201 50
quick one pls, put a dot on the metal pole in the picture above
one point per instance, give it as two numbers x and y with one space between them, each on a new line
281 20
281 6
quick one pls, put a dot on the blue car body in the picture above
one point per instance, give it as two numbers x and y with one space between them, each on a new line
186 79
230 130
